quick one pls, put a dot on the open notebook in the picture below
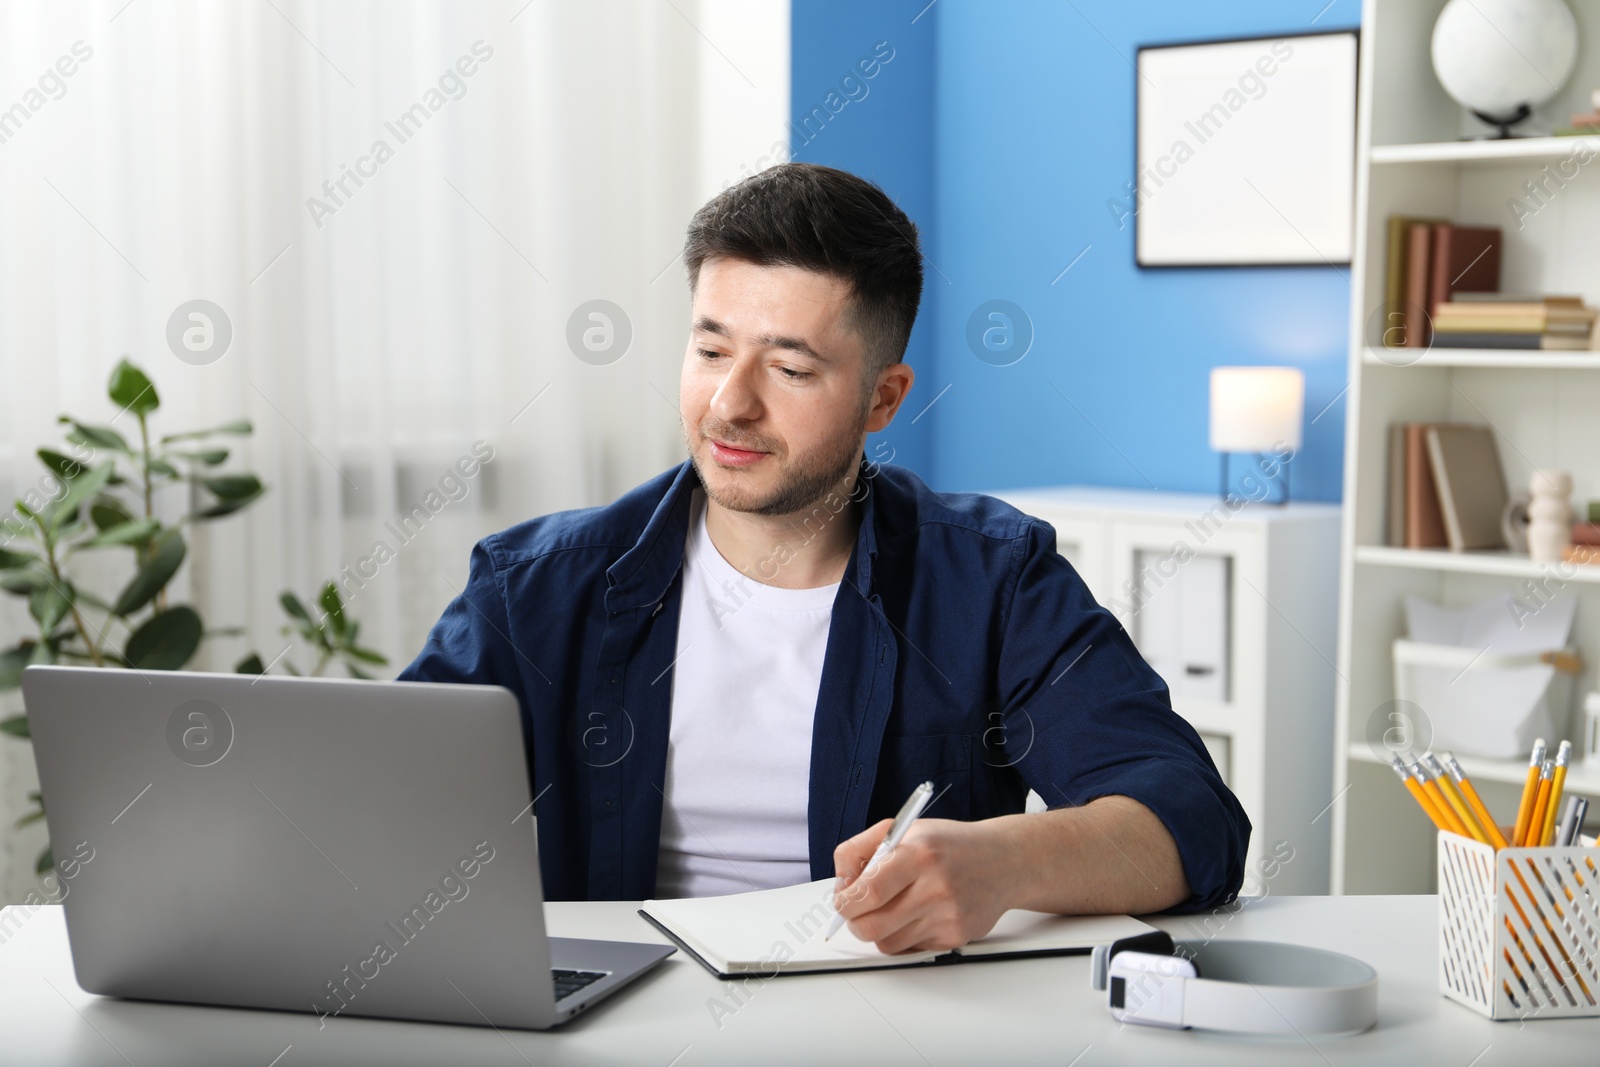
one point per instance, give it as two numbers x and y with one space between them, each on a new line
779 931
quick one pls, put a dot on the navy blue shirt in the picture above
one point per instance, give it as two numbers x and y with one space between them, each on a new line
963 649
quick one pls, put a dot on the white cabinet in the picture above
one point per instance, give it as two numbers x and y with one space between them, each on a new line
1236 609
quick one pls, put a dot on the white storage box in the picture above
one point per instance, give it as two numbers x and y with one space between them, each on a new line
1483 704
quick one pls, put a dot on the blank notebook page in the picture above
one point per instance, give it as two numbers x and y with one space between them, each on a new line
777 930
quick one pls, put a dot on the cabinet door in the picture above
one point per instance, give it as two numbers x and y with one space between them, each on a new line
1175 587
1181 622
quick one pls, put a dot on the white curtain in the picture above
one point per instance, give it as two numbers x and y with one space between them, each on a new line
536 156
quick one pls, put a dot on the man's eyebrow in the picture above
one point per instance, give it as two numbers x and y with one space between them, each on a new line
793 344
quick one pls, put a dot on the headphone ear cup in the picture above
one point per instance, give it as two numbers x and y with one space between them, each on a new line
1156 943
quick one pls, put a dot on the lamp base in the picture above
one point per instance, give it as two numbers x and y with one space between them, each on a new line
1222 486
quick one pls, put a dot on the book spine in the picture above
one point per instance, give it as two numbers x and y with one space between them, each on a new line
1439 283
1417 329
1489 340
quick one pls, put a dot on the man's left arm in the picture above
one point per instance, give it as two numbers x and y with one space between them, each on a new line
1141 820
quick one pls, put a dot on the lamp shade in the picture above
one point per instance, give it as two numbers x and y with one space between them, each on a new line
1256 409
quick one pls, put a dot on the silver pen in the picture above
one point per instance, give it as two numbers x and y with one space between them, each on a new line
902 822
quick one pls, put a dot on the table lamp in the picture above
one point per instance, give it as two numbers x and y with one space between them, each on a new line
1256 409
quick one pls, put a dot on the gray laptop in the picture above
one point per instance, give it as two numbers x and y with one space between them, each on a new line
338 847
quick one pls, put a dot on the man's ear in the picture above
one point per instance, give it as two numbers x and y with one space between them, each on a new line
894 382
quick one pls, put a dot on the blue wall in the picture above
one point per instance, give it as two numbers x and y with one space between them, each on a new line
884 134
1004 130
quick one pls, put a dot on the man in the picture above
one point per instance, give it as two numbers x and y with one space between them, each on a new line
732 677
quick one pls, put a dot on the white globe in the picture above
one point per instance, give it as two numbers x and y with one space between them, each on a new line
1494 56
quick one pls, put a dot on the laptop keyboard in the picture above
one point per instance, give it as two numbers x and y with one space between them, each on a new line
569 982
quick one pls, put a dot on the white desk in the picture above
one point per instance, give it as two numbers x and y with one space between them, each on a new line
1024 1011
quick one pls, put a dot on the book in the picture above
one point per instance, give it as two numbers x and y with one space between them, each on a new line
1470 485
1516 298
1514 318
1548 342
1524 339
1418 333
1447 323
1395 513
1394 279
1424 524
1586 533
1464 259
779 931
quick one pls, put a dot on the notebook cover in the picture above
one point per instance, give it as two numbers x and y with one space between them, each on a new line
1471 487
1417 280
1396 516
1465 258
1424 524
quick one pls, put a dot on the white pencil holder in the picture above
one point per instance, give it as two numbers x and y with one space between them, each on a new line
1519 929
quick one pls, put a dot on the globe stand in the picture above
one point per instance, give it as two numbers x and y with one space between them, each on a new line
1504 123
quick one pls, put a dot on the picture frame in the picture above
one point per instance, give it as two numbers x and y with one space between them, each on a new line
1244 152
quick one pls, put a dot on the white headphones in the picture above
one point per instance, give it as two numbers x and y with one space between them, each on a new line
1251 987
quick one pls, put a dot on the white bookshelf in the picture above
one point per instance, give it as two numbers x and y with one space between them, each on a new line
1270 728
1545 407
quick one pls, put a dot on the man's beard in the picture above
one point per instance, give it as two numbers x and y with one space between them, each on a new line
800 485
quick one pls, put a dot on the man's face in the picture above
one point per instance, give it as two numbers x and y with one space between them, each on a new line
772 397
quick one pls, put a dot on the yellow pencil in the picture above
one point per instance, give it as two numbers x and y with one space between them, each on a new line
1496 838
1540 800
1415 789
1530 790
1558 780
1453 798
1431 787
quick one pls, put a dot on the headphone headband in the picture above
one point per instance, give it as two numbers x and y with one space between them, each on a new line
1256 987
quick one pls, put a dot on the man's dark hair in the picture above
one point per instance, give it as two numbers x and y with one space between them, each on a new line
825 220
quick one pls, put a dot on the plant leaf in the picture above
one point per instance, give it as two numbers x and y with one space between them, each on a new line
291 605
153 575
233 486
45 863
12 660
225 507
50 603
251 664
210 457
131 389
166 641
334 607
367 655
15 726
238 426
62 465
10 560
136 532
161 466
24 583
78 490
108 511
84 433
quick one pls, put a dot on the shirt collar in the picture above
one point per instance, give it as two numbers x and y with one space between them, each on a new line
644 573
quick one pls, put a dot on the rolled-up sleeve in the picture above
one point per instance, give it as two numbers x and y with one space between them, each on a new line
1101 722
471 642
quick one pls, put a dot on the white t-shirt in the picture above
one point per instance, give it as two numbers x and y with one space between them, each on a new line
744 692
